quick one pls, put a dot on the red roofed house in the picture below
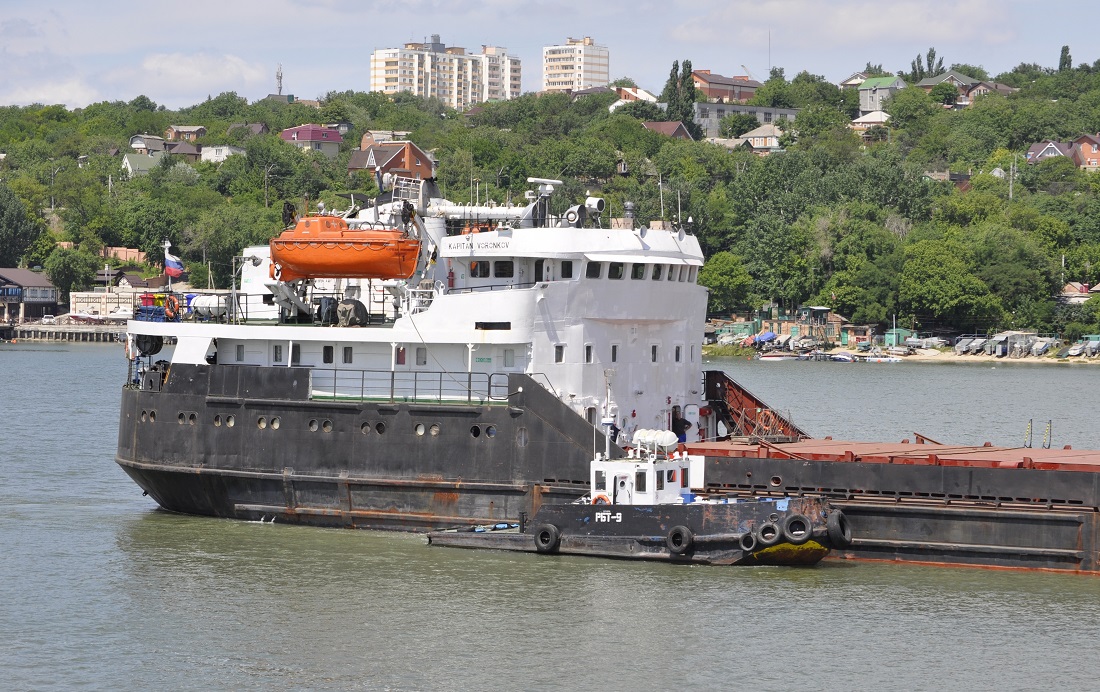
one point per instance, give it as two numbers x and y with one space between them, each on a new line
398 157
26 295
675 129
1048 148
314 138
1086 150
725 89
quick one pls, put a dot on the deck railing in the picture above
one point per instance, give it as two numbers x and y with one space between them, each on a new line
419 386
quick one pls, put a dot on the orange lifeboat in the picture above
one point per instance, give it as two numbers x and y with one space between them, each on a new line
326 247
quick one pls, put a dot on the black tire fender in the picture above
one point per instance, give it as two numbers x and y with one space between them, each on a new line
797 529
768 534
839 529
547 538
747 542
679 540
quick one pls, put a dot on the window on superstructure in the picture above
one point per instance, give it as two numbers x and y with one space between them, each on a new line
677 352
567 269
660 480
295 354
657 269
692 354
601 481
327 354
671 273
559 353
588 353
694 275
479 270
504 269
240 353
614 353
421 355
615 270
593 270
637 271
639 482
276 353
509 357
399 355
683 273
653 353
347 354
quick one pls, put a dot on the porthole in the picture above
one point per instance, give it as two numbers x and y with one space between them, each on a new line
491 431
326 426
419 429
275 423
192 419
776 481
144 416
230 421
313 425
182 418
522 438
380 428
434 430
217 421
475 430
365 428
152 416
261 423
773 517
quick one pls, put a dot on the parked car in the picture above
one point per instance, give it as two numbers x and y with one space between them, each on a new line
48 319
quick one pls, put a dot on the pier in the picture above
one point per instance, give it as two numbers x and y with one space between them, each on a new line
90 333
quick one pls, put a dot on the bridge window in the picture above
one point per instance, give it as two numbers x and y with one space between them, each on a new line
504 269
671 273
657 271
639 482
327 354
593 270
347 354
567 269
479 270
637 271
615 270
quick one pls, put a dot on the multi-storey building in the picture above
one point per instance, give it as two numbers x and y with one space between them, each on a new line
578 64
449 73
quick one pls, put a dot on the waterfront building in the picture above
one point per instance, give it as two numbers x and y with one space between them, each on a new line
579 63
26 295
449 73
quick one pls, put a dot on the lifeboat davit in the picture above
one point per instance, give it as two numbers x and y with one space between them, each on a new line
325 247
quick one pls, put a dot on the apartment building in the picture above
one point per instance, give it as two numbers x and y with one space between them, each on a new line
449 73
577 64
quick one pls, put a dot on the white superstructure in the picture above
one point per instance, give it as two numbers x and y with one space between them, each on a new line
608 320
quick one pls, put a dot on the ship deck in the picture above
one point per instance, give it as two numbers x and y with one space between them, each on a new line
906 452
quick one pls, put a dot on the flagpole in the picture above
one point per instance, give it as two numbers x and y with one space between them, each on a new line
167 246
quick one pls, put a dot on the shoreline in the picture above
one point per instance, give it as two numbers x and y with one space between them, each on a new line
931 355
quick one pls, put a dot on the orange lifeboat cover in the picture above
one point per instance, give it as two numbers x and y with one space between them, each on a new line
325 247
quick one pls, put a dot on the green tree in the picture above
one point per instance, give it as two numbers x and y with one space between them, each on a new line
1065 61
728 280
930 67
737 124
18 230
71 270
945 93
680 95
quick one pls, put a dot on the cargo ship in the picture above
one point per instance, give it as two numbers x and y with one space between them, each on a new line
470 368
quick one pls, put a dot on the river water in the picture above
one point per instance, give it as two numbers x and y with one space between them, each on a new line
100 590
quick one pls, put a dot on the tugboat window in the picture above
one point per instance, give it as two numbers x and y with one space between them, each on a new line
588 353
504 269
347 354
683 273
399 356
637 271
601 481
295 354
671 273
593 270
657 268
684 479
421 355
639 482
559 353
615 270
567 269
276 353
660 481
327 354
479 270
509 357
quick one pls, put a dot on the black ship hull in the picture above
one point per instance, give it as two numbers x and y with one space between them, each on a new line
249 443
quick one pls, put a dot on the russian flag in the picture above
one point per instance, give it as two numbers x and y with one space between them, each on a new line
173 266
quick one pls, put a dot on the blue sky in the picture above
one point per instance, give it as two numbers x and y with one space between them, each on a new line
76 52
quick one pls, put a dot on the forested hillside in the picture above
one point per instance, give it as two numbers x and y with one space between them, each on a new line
856 225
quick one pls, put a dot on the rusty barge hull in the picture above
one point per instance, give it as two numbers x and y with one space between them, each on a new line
924 502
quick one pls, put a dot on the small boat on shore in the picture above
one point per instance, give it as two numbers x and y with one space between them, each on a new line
642 507
776 356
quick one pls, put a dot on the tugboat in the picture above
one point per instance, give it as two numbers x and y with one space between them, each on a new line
642 507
